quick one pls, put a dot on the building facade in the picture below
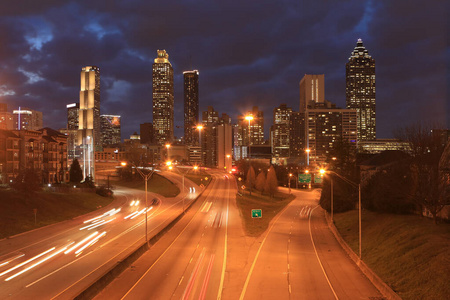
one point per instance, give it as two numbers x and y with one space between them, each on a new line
279 132
27 119
6 118
360 90
297 135
110 125
163 99
251 132
89 138
312 90
325 125
191 107
146 133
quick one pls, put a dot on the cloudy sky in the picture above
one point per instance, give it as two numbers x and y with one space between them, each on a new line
247 52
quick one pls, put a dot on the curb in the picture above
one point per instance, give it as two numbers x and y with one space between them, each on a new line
384 289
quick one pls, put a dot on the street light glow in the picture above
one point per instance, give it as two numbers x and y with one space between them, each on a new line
249 117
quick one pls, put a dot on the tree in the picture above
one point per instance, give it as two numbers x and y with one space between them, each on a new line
260 181
429 189
76 174
271 186
27 181
251 179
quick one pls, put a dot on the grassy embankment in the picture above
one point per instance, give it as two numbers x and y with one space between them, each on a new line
410 253
270 208
17 209
157 184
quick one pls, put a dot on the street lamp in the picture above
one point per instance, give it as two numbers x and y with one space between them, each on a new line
182 190
167 147
290 175
249 118
146 177
322 171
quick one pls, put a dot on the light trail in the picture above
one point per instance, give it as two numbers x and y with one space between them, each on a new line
36 264
27 261
7 261
105 222
94 240
79 243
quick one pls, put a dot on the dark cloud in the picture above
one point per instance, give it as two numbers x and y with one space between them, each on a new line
248 53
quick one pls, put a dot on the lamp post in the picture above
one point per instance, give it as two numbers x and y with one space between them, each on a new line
290 175
227 162
167 148
170 168
249 118
358 185
146 177
200 127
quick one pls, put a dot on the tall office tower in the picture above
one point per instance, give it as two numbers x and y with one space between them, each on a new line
72 130
279 132
110 125
190 107
162 99
6 118
312 90
27 119
89 118
360 90
146 133
325 124
297 135
72 116
252 131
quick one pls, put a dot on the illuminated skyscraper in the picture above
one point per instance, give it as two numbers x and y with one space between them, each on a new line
190 107
279 131
27 119
163 98
72 116
110 129
312 90
360 90
89 117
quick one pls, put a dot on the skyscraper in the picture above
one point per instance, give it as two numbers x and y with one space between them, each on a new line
89 117
297 134
163 98
190 107
279 131
6 118
110 129
72 116
252 133
312 90
72 130
360 90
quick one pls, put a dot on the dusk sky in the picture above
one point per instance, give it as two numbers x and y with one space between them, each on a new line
247 52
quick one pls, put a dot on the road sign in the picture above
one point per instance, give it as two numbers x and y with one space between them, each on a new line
256 213
304 178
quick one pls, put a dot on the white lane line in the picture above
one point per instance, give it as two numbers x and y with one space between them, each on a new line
317 255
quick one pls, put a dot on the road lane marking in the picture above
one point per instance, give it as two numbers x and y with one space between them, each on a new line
317 255
244 289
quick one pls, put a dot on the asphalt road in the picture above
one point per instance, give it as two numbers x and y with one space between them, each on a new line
299 258
60 261
189 261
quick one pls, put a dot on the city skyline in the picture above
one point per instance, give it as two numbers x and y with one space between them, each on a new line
247 57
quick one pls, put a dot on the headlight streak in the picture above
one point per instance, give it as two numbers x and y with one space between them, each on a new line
79 243
36 264
93 241
27 261
103 223
108 213
7 261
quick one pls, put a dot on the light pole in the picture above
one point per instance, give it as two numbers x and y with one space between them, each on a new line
182 190
358 185
227 163
290 175
167 147
200 127
146 177
249 118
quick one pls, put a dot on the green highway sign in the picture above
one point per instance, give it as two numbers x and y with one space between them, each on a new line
256 213
304 178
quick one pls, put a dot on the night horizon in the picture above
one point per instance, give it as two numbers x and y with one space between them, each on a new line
254 56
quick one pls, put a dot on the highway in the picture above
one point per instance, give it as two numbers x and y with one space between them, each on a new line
191 262
299 258
61 260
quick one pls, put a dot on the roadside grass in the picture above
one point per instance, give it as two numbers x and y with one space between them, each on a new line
270 208
410 253
17 215
199 178
156 184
